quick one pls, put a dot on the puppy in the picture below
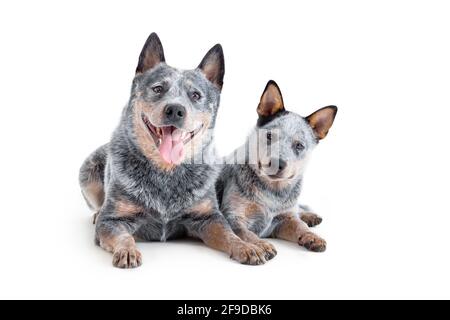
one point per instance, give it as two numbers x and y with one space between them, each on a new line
155 179
260 198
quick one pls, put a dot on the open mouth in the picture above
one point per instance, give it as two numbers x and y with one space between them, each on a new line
170 140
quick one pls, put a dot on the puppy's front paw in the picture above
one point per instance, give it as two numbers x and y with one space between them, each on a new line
269 250
247 253
311 219
312 242
127 258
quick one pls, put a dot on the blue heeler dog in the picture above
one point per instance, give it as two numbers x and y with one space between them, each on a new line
260 199
146 183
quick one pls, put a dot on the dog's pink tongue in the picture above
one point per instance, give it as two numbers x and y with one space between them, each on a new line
172 146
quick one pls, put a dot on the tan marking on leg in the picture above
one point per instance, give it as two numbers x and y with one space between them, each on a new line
202 208
217 236
123 247
244 210
269 249
290 228
124 208
312 242
293 229
252 209
112 242
244 207
94 194
311 219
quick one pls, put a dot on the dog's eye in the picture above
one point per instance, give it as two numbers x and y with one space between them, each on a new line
196 96
158 89
299 146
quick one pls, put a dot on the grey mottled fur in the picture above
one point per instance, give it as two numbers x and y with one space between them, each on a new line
241 187
128 175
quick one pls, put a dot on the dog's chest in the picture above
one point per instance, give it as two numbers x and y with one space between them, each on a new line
272 206
166 196
275 204
160 227
174 192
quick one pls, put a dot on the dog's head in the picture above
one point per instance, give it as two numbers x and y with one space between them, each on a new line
173 110
287 137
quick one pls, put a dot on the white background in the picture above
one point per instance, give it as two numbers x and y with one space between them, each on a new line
380 179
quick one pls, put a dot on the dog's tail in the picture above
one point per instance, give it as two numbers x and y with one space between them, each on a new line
92 178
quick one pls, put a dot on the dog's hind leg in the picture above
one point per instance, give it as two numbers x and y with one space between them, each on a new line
92 177
289 227
310 218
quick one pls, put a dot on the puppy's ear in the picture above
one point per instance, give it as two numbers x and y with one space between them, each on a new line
213 66
152 54
322 120
271 101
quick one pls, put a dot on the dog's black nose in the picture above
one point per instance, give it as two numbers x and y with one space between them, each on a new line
175 113
281 164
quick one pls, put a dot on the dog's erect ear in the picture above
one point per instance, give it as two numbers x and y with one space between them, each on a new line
213 66
271 101
322 120
152 54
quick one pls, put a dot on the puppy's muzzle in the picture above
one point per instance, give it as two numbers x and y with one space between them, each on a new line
277 168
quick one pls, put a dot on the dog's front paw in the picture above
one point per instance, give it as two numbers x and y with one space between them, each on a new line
247 253
311 219
312 242
269 250
127 258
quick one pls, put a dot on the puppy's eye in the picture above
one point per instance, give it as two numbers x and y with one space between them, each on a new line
299 146
158 89
196 96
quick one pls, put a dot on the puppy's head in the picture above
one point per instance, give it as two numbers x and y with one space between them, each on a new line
286 139
174 110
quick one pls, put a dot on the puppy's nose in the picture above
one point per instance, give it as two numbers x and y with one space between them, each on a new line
281 164
175 113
